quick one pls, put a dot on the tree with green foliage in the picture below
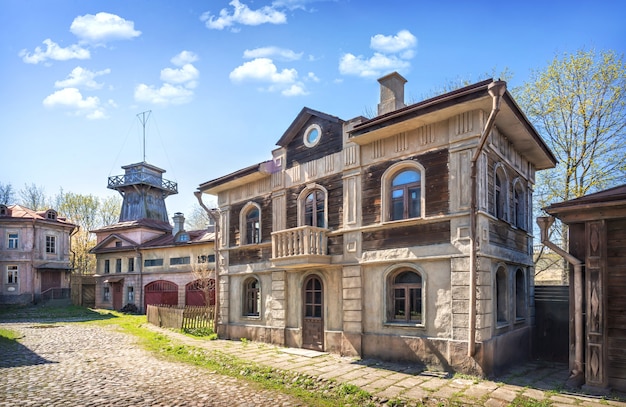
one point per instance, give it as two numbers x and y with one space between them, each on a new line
578 105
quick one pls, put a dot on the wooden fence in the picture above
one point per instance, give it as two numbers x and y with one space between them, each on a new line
180 318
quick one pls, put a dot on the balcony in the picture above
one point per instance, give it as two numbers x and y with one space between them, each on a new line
145 178
304 246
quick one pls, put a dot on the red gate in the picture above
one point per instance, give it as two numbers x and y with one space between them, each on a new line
196 291
161 292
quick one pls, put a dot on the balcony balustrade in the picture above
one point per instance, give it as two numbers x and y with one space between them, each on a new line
304 246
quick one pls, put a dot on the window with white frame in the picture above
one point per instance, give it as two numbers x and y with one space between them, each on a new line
51 244
405 296
12 276
250 222
12 240
252 297
403 191
131 294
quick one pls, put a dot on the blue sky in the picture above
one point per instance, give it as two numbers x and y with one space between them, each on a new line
224 79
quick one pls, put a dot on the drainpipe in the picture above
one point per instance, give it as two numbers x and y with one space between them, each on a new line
140 266
577 376
216 220
496 90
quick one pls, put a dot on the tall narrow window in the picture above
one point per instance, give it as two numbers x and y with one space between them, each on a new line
12 241
131 294
314 209
12 277
106 294
405 297
252 298
253 226
500 194
131 264
107 266
118 265
501 296
51 244
519 217
520 295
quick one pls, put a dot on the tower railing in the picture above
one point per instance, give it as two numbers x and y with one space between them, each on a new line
142 177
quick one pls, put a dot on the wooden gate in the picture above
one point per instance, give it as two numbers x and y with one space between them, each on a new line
161 292
551 340
50 279
196 292
89 295
313 314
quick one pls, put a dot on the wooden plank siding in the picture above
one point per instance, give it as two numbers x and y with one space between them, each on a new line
437 195
616 312
266 220
331 142
407 236
502 234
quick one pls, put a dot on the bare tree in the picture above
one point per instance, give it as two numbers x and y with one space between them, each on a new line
33 197
7 195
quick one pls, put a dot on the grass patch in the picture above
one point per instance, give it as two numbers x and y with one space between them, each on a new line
521 401
206 333
14 313
8 335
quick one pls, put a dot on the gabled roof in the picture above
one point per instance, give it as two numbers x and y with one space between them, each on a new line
302 117
133 224
510 119
195 237
609 197
102 246
18 212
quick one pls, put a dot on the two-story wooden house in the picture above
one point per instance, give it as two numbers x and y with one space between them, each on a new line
34 255
402 237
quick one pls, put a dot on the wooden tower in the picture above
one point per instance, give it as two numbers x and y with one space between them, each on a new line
144 191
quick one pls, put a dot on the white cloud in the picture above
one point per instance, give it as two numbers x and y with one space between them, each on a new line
263 70
73 101
242 14
185 57
377 65
55 52
393 44
103 27
392 53
312 77
266 52
186 75
82 78
165 95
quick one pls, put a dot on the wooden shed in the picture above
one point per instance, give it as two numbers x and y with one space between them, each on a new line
597 233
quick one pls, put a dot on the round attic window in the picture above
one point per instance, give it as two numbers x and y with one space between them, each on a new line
312 135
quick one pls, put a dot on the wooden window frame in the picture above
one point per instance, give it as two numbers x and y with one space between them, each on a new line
387 190
315 214
391 296
244 231
501 296
251 298
51 244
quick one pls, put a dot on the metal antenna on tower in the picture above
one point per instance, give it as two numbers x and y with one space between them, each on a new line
143 119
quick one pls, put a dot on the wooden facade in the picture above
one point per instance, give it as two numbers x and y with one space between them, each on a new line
597 230
365 239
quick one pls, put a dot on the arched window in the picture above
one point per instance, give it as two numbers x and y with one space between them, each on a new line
501 296
520 295
519 207
405 297
402 191
250 221
252 297
500 195
312 207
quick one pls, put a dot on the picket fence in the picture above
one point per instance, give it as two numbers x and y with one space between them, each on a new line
191 317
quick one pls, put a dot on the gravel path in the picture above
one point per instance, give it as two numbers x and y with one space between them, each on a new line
83 365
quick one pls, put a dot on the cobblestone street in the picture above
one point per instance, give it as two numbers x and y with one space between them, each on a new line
82 365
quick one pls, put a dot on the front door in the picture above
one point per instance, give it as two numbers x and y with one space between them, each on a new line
117 295
50 279
313 314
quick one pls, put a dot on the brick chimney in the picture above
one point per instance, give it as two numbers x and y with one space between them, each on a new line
391 93
179 223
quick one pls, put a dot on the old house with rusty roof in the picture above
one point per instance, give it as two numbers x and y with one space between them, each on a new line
406 236
142 259
35 255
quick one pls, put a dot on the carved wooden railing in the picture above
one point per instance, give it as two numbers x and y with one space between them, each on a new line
300 241
141 177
